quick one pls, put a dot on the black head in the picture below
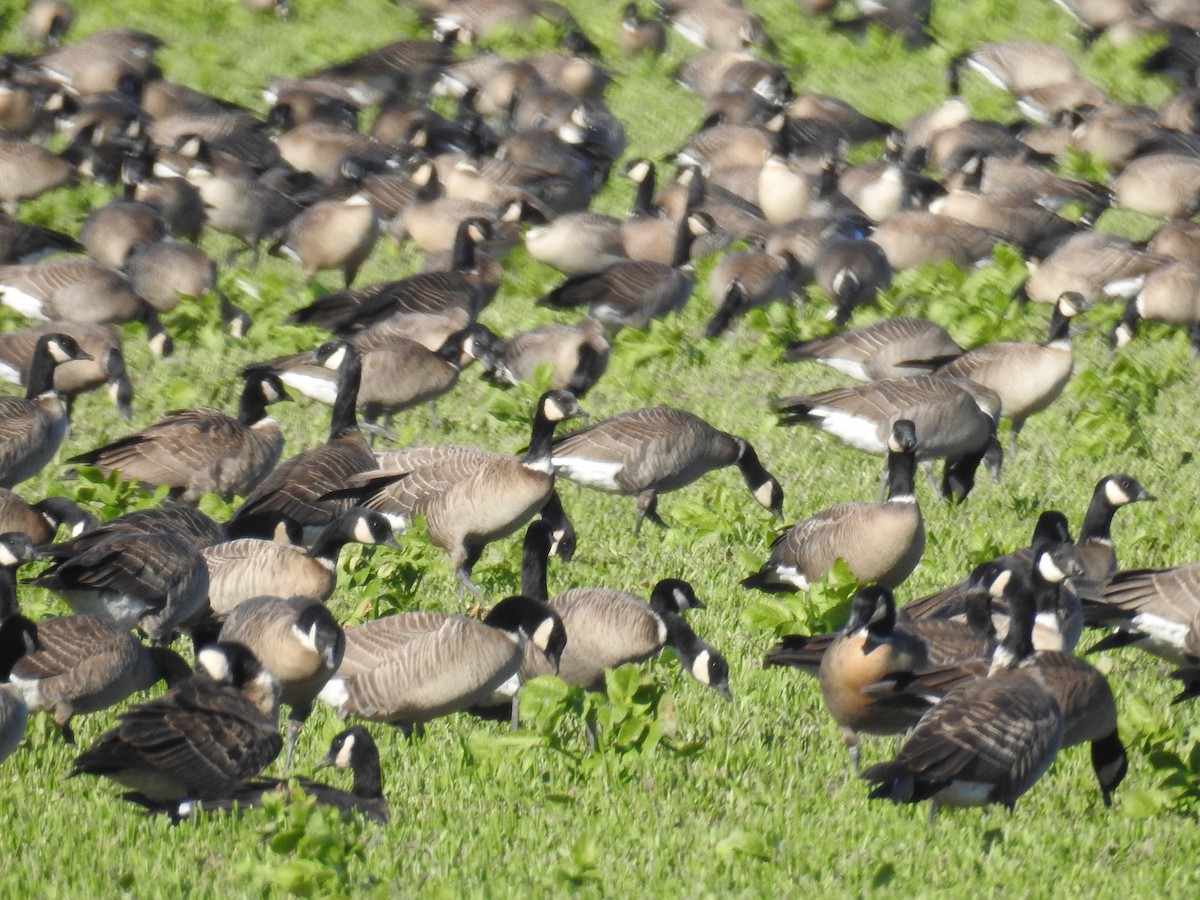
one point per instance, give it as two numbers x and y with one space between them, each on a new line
317 630
120 388
229 663
534 619
1051 529
709 667
991 578
18 638
558 406
16 549
269 386
903 438
349 748
60 348
65 511
674 595
1110 764
1119 489
873 607
333 354
366 526
1057 564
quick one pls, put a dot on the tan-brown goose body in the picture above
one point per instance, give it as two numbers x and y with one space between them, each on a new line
469 497
333 234
1026 377
1169 294
1153 609
200 740
576 354
199 451
293 492
880 542
914 238
164 272
1163 185
645 452
296 640
78 290
110 232
96 63
873 352
413 667
85 664
1094 264
33 427
28 169
101 342
244 568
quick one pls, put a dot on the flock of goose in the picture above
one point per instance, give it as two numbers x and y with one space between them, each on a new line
981 675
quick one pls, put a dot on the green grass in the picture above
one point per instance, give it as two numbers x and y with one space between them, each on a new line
745 798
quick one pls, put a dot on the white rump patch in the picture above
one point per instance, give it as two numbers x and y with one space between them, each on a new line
334 693
857 431
590 472
26 304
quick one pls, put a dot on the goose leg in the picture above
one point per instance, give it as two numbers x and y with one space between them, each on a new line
433 416
297 717
647 508
516 712
850 736
1016 429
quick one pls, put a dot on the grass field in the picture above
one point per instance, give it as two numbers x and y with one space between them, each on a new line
746 798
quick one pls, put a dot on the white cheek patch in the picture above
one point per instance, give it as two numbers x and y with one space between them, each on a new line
700 667
681 600
307 639
1115 494
541 637
999 584
342 760
335 359
269 393
362 532
215 663
7 557
1051 572
764 494
553 411
58 353
639 170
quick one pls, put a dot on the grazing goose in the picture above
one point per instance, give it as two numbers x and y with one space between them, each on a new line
101 342
1083 693
880 542
576 354
293 492
874 352
200 451
33 427
1026 377
157 581
608 628
46 21
645 452
1169 294
761 279
245 568
1020 66
636 35
84 664
332 234
184 522
410 668
111 232
40 521
1092 263
298 642
199 741
630 294
27 170
397 375
352 749
469 497
987 742
1154 609
1163 185
575 243
21 242
912 238
956 420
851 272
79 290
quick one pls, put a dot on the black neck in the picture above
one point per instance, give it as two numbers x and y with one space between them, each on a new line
680 636
979 614
541 439
882 628
368 780
330 541
902 468
1060 325
1045 593
252 407
463 254
8 593
752 470
41 371
345 417
534 557
1097 523
643 201
683 242
1019 641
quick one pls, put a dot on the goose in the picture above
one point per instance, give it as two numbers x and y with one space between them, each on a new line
398 374
293 491
881 542
399 66
110 232
875 351
1179 239
106 367
1026 377
469 497
352 748
332 234
21 242
201 740
851 272
987 742
18 637
298 642
1162 185
870 646
470 285
27 170
199 451
956 420
40 521
912 238
245 568
576 354
762 278
156 581
80 290
411 668
46 21
242 205
654 450
96 63
575 243
1001 175
1082 692
1093 264
85 664
1153 609
1020 66
184 522
1169 294
32 427
164 272
607 628
717 26
636 35
630 294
